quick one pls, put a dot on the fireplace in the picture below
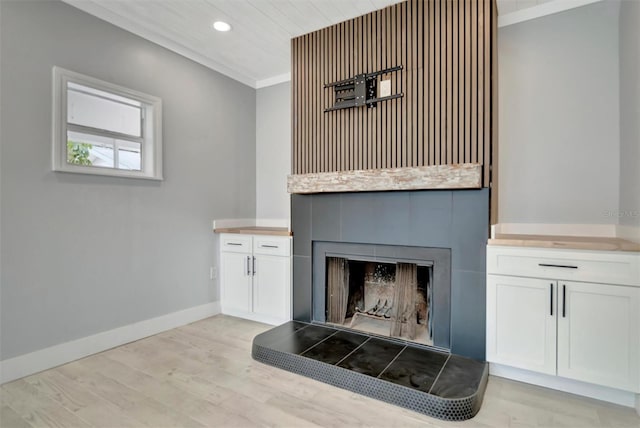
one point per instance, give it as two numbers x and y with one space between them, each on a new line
376 277
389 226
387 290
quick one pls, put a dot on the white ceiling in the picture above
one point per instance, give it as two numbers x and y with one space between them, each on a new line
257 50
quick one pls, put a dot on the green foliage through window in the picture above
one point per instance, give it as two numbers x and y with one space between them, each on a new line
78 153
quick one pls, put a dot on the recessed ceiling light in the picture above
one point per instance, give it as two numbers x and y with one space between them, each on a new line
221 26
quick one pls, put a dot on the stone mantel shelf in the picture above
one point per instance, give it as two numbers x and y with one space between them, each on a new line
457 176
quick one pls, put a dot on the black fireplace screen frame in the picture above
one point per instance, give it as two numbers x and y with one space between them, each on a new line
438 258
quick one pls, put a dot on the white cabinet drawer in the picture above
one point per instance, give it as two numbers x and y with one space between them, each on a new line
588 266
235 243
272 245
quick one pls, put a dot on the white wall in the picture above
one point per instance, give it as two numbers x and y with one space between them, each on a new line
273 151
629 212
84 254
559 118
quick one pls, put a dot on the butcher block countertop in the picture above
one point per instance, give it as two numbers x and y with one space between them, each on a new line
255 230
568 242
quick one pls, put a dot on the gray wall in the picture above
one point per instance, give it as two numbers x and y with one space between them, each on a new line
559 117
273 150
629 212
83 254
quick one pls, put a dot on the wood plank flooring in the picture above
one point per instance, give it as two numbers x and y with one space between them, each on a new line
202 375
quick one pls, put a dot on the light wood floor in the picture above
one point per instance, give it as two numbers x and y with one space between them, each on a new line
203 375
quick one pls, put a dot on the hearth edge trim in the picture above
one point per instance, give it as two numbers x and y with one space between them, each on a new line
459 409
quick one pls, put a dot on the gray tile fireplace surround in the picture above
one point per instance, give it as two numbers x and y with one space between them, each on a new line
456 219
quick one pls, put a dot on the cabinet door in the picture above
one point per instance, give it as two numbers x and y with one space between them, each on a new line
521 322
272 287
598 334
235 282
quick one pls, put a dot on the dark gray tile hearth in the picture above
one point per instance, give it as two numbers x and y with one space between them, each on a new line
415 368
372 357
334 349
438 384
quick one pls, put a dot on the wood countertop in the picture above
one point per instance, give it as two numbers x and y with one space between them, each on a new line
565 242
255 230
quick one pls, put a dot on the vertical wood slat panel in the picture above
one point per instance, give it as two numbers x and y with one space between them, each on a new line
447 114
467 81
449 155
491 167
430 23
303 110
340 114
480 82
335 43
460 81
454 83
360 112
350 112
324 117
384 53
380 109
405 31
393 153
417 85
488 96
313 142
294 106
441 147
474 81
368 39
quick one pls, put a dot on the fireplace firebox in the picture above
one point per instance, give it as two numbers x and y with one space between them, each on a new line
395 291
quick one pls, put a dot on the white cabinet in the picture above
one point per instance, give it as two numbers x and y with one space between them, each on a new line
599 334
255 277
521 323
547 313
271 294
235 280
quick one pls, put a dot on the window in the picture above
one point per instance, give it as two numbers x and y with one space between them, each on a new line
105 129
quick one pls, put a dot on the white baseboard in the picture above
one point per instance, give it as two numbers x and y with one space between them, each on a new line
611 395
254 317
37 361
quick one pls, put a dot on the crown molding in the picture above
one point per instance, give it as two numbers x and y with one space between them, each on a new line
544 9
275 80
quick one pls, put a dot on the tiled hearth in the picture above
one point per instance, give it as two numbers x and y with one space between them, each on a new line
438 384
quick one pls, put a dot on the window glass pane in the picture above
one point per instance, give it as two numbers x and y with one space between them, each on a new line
129 155
99 109
90 150
109 95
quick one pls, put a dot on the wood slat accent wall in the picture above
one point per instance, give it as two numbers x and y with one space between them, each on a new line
447 115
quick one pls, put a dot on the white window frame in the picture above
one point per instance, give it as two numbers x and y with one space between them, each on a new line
151 141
